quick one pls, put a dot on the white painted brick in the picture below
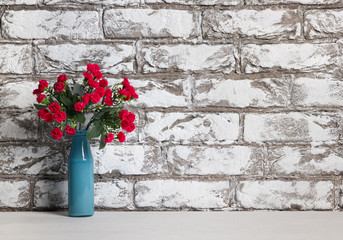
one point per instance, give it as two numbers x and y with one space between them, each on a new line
265 24
214 58
199 160
178 194
113 194
16 58
30 159
113 58
192 127
304 57
14 193
19 2
128 159
305 160
40 24
102 2
18 126
17 95
51 194
323 23
312 2
276 194
291 127
242 93
309 91
138 23
199 2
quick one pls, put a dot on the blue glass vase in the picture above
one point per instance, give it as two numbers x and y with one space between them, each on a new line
80 177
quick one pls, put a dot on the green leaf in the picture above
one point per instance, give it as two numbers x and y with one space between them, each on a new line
80 117
102 142
96 130
67 101
39 106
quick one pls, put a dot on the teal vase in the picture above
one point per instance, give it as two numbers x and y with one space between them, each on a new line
80 177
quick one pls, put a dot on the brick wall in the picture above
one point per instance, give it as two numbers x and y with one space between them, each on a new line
239 103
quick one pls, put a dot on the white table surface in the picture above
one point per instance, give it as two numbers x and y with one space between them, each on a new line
172 225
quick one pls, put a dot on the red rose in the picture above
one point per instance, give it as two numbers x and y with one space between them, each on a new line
109 138
108 101
125 93
97 74
40 98
108 93
123 114
42 84
103 83
126 83
48 117
95 97
60 116
56 133
121 137
131 127
62 78
124 124
132 92
131 117
54 107
100 90
88 76
96 67
59 87
93 83
79 106
90 67
42 112
69 130
37 91
85 98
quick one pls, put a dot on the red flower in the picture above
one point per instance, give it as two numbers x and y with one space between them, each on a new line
42 112
96 67
97 74
42 84
85 98
59 87
90 67
88 76
103 83
126 83
131 117
121 137
109 138
69 130
124 124
60 116
131 127
48 117
92 83
95 97
62 78
79 106
40 98
108 93
125 93
37 91
100 90
123 114
54 107
132 92
56 133
108 101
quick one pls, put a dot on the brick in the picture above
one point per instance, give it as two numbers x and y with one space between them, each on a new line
171 58
310 2
113 194
51 194
199 160
306 160
146 23
113 58
30 159
179 194
323 23
19 2
303 57
192 127
199 2
264 24
291 127
18 54
312 92
300 195
17 95
102 2
157 92
128 159
18 126
40 24
242 93
14 193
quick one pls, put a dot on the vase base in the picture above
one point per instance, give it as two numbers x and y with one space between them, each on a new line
80 214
